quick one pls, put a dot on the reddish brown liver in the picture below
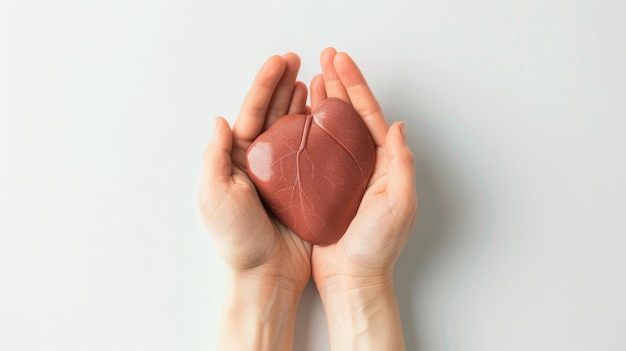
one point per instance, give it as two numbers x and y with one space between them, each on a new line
312 170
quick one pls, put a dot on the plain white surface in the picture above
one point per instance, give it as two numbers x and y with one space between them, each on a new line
514 109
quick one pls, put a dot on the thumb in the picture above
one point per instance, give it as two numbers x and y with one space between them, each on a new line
401 184
216 162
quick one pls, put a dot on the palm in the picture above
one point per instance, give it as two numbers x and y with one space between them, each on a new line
271 239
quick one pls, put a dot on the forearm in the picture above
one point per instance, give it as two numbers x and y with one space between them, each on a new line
363 314
257 315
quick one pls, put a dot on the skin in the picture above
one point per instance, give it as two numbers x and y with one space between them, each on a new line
268 264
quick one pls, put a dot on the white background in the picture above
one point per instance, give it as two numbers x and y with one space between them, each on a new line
515 113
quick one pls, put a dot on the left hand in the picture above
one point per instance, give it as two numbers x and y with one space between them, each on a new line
368 250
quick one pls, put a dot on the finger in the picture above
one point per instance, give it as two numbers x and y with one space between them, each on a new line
318 90
362 98
251 118
281 99
298 99
334 85
216 162
401 186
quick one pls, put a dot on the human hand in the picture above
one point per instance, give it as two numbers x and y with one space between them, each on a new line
269 265
382 225
355 275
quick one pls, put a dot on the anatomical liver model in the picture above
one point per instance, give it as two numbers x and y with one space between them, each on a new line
312 170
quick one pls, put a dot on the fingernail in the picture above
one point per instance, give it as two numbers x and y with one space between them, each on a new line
403 129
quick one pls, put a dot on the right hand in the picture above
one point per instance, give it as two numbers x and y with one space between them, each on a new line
252 242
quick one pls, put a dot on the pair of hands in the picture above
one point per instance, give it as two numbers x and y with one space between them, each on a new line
254 244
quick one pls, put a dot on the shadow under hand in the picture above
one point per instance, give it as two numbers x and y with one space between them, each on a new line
432 220
437 213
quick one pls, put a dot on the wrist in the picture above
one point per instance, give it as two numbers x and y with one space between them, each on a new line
258 313
362 314
343 283
265 284
351 296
